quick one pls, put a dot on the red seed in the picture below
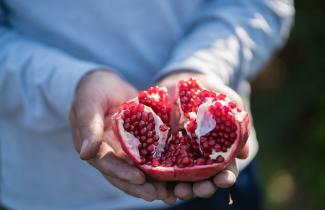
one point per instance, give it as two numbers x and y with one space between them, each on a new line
212 142
203 139
151 148
156 138
142 124
206 145
186 161
150 140
232 105
149 134
155 163
220 159
143 138
143 151
163 128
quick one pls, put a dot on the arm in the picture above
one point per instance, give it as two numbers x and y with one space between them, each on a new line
37 82
232 39
37 86
228 40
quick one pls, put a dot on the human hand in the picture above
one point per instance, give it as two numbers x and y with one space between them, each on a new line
224 179
98 97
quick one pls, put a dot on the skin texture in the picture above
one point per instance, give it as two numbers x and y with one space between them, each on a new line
96 100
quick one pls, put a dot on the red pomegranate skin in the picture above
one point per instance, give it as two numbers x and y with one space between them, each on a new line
190 173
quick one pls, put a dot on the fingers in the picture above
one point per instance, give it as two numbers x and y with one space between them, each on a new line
110 165
171 198
95 98
113 142
88 124
204 189
243 153
228 177
183 191
145 191
161 189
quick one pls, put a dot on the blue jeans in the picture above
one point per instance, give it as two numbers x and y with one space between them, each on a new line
246 194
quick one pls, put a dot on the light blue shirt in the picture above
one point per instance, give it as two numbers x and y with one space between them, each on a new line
47 46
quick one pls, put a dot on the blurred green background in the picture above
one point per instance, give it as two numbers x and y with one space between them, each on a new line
288 104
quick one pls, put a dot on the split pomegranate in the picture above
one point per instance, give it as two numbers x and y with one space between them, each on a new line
213 129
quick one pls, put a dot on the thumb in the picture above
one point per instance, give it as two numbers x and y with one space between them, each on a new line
90 126
243 153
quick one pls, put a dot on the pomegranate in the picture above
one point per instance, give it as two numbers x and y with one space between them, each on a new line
212 131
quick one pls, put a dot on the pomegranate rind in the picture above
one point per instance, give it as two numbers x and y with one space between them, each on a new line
190 173
195 173
200 172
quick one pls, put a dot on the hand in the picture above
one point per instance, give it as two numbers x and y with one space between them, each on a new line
224 179
98 96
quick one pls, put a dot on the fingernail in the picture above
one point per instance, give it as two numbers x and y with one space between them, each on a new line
84 146
230 177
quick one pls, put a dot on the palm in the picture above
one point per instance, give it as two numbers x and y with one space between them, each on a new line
90 119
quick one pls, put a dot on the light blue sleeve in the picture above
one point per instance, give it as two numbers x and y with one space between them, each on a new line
37 82
232 39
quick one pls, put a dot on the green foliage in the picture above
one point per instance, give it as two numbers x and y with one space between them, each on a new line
288 105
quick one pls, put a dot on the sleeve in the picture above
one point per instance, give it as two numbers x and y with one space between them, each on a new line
37 82
232 39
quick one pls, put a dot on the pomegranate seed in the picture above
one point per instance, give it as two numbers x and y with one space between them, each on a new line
149 134
151 148
232 105
221 96
163 128
143 151
143 131
212 142
155 163
209 161
220 159
142 124
203 139
150 126
143 138
150 140
217 146
186 161
181 149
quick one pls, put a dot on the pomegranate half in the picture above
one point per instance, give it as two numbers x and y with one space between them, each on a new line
212 131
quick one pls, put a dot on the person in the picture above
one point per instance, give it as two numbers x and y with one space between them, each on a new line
65 66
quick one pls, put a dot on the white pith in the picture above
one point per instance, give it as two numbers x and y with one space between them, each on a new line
182 117
132 142
204 120
156 96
